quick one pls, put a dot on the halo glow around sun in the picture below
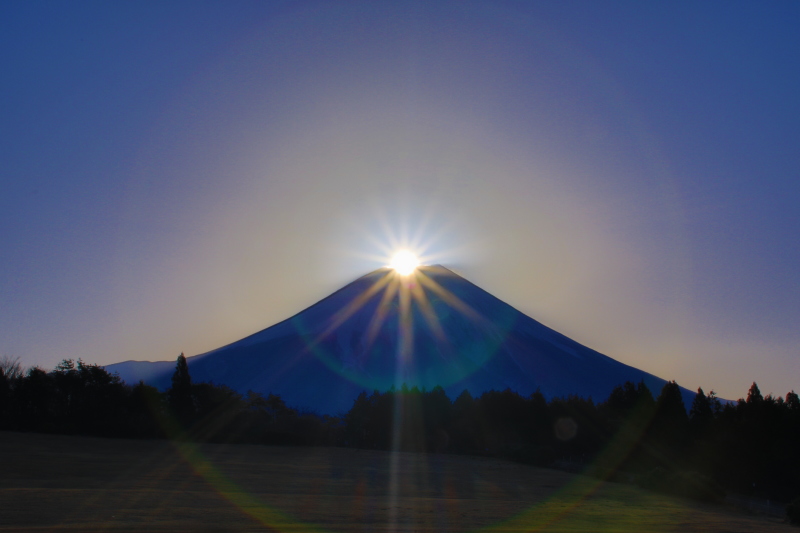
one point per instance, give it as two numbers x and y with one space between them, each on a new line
404 262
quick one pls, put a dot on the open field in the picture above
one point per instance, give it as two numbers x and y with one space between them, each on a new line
85 484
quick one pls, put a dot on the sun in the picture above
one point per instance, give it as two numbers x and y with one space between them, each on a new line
404 262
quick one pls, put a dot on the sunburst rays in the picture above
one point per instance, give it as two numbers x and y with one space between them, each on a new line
401 295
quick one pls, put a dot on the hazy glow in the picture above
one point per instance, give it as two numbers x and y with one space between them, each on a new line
273 154
404 262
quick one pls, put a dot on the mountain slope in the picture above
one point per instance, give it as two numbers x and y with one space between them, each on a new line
382 330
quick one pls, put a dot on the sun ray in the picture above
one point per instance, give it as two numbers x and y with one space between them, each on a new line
424 233
350 309
380 314
406 322
427 232
450 298
424 222
419 295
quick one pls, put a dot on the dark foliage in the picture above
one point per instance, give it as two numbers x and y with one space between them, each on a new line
181 396
5 394
85 399
749 447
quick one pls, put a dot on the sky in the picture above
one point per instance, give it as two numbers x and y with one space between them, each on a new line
176 175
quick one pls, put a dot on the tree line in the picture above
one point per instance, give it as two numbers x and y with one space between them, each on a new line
85 399
749 447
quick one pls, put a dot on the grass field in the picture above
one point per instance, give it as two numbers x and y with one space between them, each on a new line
85 484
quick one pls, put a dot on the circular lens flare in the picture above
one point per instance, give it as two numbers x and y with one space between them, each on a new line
404 262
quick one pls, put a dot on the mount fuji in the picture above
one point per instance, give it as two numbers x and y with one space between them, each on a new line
429 328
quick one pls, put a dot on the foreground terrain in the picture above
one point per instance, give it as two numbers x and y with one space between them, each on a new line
83 484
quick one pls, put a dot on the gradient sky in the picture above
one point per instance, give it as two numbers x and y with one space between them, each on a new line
177 175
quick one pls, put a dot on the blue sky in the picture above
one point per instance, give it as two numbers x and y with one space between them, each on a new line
178 175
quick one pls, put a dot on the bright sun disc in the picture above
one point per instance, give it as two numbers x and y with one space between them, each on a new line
404 262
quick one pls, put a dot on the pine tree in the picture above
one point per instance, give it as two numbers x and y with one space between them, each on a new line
670 405
754 395
180 395
645 397
701 414
670 427
714 403
181 380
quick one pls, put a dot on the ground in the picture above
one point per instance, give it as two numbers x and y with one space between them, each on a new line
52 482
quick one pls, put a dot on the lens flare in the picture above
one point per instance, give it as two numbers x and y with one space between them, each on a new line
404 262
396 295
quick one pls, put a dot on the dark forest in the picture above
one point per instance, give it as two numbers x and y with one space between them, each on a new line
748 447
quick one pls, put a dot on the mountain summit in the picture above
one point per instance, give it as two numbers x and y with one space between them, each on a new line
429 328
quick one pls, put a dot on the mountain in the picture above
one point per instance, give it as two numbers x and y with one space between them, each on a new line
430 328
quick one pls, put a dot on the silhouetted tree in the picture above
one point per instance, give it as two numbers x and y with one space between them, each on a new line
701 414
705 444
355 422
11 367
645 398
382 422
669 433
754 395
67 388
713 401
631 406
464 424
147 412
622 400
540 434
102 405
669 405
181 380
5 399
792 401
437 413
37 401
277 409
180 394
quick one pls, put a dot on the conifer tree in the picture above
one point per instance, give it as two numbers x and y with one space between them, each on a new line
181 380
754 395
645 397
701 414
701 407
670 404
670 424
180 395
714 403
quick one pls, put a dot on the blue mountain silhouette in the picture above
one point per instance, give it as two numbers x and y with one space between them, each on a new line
383 330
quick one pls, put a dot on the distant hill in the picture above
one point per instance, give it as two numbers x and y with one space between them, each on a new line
430 328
